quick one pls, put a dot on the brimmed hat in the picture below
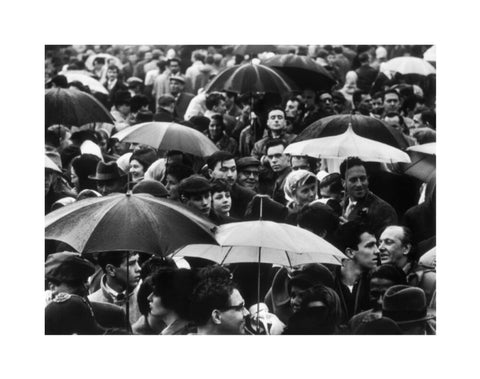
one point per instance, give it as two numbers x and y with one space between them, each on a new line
151 187
68 267
106 171
405 305
70 314
178 78
247 162
194 185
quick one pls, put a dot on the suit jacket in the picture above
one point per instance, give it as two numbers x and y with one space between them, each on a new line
241 196
181 105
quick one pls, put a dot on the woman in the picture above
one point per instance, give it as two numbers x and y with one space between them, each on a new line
140 161
148 323
221 202
300 189
169 300
81 167
216 133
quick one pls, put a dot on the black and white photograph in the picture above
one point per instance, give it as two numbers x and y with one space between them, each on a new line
240 189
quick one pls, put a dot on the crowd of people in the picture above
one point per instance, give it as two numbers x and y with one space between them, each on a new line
383 220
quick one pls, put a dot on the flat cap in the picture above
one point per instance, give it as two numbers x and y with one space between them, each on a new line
68 267
247 162
193 185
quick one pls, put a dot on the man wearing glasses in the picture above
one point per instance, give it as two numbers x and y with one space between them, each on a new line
248 169
218 308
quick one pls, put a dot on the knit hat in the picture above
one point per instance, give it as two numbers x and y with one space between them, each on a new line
68 267
193 185
405 304
145 157
151 187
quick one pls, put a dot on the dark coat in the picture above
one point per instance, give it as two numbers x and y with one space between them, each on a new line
163 116
421 219
108 315
181 105
241 196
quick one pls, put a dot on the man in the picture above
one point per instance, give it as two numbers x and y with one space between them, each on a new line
67 273
174 173
218 308
361 204
277 126
182 99
215 103
303 162
395 245
280 165
294 114
325 102
109 178
366 73
221 165
377 105
195 71
165 109
312 111
161 83
398 122
425 119
120 281
391 101
248 169
194 192
360 245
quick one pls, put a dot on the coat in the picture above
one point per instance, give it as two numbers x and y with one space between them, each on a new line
241 196
181 105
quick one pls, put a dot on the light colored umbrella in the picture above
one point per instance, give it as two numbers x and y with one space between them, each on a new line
426 148
431 54
345 145
410 65
108 58
429 259
423 162
51 165
86 80
168 136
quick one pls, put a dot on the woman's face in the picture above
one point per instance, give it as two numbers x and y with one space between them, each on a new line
112 74
156 307
74 178
221 202
305 194
136 169
170 183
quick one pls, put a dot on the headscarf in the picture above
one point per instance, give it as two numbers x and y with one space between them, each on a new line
156 171
294 180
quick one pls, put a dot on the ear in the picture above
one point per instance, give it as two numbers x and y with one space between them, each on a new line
406 249
183 199
343 183
110 270
210 171
52 287
349 253
216 317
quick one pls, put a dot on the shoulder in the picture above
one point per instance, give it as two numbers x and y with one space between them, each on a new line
97 296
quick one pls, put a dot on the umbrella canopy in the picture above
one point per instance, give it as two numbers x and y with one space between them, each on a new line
71 107
250 78
364 126
168 136
431 54
409 65
304 71
135 222
345 145
423 162
265 242
51 165
86 80
253 49
108 59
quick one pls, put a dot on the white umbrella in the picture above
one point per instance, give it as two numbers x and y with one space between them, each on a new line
431 54
345 145
426 148
108 58
410 65
86 80
49 163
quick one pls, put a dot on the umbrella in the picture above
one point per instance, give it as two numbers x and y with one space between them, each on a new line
71 107
346 145
250 78
108 58
364 126
168 136
409 65
431 54
51 165
253 49
86 80
423 162
127 222
303 71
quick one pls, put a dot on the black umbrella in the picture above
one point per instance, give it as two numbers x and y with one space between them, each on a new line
71 107
250 78
364 126
304 71
253 49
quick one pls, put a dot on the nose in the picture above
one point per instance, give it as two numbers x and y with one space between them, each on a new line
245 312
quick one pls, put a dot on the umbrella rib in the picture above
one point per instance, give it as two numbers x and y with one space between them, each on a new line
226 255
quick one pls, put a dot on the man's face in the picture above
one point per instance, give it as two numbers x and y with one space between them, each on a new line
176 87
377 105
367 250
221 202
225 170
124 109
300 163
214 129
356 182
394 121
417 121
248 177
106 187
326 102
133 272
220 108
309 98
378 287
296 297
276 120
233 318
366 102
201 202
391 247
174 67
291 108
278 161
391 102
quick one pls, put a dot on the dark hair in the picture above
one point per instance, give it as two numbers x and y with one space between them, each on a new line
99 60
363 57
350 162
213 99
113 67
430 117
219 119
137 102
210 294
390 272
348 235
318 217
114 258
219 185
122 98
174 60
386 92
178 170
218 156
153 263
174 286
276 108
84 166
143 293
275 142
